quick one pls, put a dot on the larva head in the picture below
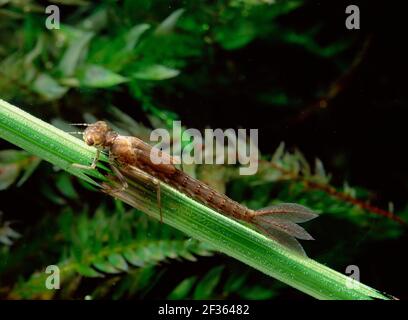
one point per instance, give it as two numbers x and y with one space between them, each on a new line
99 135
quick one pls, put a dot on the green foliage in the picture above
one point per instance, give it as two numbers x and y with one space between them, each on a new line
14 164
146 60
105 46
102 245
7 234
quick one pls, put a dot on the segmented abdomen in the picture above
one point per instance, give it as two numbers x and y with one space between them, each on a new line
203 193
194 188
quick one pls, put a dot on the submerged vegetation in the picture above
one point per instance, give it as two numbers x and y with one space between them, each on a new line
142 64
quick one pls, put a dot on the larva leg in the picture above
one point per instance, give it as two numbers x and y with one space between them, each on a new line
118 175
159 200
141 175
92 166
181 162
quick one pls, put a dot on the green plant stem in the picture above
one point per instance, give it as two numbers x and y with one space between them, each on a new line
47 142
183 213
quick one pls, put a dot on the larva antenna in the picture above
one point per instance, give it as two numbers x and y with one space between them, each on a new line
80 124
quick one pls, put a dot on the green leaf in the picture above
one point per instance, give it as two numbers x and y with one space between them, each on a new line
155 72
257 293
29 170
134 34
118 262
169 23
95 76
11 156
207 285
182 290
154 253
8 175
105 266
236 36
48 87
78 43
12 162
49 193
65 186
87 271
235 282
134 258
87 185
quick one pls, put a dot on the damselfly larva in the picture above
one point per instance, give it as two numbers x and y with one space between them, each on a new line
279 222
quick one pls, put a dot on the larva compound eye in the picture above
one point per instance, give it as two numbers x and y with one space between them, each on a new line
89 141
95 134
